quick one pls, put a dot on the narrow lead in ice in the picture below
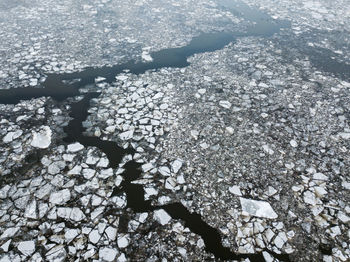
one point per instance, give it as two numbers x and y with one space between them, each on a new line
257 208
42 139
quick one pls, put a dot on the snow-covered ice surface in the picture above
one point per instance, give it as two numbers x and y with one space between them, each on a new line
254 137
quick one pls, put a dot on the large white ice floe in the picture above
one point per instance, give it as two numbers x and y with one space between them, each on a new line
42 139
257 208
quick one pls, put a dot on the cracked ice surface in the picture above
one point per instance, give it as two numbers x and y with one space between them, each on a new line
262 118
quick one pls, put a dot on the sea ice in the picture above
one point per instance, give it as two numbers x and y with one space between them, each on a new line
257 208
42 139
75 147
107 254
26 247
176 165
225 104
162 217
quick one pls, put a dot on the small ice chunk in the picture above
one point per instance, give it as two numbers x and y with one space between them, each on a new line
194 134
146 57
4 191
162 216
164 170
271 191
163 106
123 241
202 91
320 176
75 147
346 185
57 253
182 251
99 79
344 135
280 240
104 162
267 257
42 139
257 208
180 179
176 165
268 149
320 191
230 130
310 198
26 247
8 137
342 217
293 143
150 191
33 82
143 217
225 104
111 233
94 236
74 213
121 77
10 232
6 245
126 135
122 258
107 254
204 145
30 211
235 190
335 231
75 171
71 234
60 197
147 167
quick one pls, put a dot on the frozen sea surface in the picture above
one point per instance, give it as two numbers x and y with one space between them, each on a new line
198 130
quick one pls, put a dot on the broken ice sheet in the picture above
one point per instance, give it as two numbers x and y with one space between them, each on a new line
257 208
